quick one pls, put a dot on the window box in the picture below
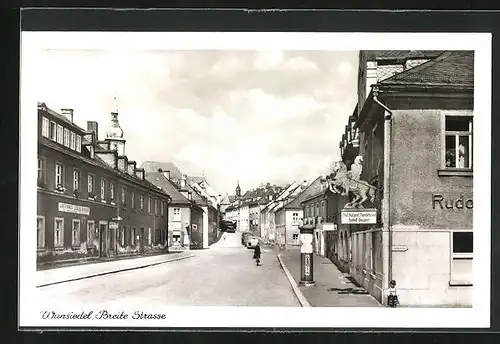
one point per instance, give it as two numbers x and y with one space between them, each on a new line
60 188
112 201
76 193
92 196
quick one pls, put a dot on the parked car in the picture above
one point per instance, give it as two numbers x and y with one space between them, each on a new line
252 242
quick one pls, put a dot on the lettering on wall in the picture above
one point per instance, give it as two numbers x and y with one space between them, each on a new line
441 202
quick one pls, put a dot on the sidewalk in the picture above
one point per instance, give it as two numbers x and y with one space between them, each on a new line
71 273
332 288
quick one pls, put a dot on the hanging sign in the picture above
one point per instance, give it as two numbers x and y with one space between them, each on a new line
359 216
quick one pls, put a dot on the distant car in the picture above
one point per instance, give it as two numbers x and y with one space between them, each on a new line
244 238
252 242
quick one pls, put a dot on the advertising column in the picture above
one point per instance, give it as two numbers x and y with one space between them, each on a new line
306 255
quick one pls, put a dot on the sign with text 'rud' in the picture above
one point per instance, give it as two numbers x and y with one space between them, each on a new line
72 208
359 216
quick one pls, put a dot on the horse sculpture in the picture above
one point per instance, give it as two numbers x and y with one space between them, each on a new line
341 181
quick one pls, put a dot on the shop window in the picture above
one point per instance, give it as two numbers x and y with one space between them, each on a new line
45 127
58 232
40 231
75 233
66 137
461 259
90 233
59 176
458 142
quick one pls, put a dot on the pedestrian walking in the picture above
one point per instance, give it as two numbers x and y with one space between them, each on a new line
393 297
256 254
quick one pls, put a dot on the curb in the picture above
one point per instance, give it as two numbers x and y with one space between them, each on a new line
302 299
116 271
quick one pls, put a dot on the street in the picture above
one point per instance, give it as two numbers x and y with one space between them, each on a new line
215 277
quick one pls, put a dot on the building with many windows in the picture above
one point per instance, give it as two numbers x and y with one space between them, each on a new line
416 137
91 200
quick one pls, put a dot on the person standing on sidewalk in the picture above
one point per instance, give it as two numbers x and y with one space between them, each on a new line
393 297
256 254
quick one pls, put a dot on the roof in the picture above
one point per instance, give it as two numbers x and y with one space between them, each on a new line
450 68
42 106
159 179
98 162
309 190
153 166
381 55
196 179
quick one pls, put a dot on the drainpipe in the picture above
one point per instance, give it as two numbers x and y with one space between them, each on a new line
386 193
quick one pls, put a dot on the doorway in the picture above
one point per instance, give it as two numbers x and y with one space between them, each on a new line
112 241
102 239
141 241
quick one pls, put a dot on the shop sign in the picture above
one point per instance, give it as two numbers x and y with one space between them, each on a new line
329 226
399 248
359 216
72 208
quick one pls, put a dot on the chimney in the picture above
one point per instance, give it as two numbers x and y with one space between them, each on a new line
183 181
166 174
68 113
92 127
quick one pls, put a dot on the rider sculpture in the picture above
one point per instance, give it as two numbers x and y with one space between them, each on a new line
345 182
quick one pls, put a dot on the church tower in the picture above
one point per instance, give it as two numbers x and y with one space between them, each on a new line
238 190
114 134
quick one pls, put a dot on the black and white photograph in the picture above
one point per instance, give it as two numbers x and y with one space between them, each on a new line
255 179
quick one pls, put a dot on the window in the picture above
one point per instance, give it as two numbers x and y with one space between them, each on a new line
60 131
156 206
150 237
149 205
177 214
458 142
40 232
58 232
295 218
295 237
75 233
122 236
112 191
45 127
323 212
66 137
90 184
78 143
76 180
142 202
124 195
461 259
162 208
59 175
40 175
103 190
53 131
132 237
90 233
132 200
72 141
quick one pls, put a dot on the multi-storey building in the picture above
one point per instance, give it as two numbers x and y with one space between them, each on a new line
91 200
423 235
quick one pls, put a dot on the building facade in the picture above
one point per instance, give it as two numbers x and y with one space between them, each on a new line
423 237
91 200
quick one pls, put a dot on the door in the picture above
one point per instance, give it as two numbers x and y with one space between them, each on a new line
102 239
112 241
141 240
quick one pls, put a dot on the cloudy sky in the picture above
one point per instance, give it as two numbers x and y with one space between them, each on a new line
252 116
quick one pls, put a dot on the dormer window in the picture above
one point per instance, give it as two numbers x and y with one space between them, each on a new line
45 127
60 131
72 141
78 143
53 131
66 137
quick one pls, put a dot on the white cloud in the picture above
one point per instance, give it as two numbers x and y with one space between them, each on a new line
268 59
345 69
301 64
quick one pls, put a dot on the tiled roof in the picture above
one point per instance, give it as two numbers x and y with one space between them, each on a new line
159 179
97 162
380 55
451 67
311 189
153 166
196 179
